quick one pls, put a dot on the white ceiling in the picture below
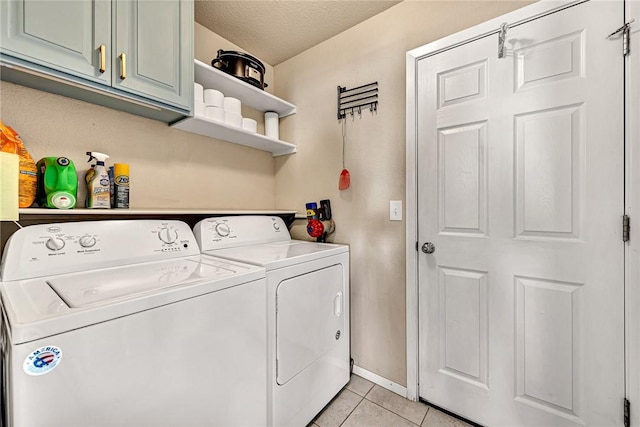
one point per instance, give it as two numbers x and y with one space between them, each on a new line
276 30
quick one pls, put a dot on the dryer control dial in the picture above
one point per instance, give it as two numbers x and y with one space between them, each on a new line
168 235
222 229
87 241
54 243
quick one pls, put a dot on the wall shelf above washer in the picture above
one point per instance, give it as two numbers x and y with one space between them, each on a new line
218 130
251 96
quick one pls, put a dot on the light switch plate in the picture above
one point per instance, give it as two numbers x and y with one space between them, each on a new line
395 210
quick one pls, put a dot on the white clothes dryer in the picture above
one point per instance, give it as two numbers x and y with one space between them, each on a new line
307 310
124 323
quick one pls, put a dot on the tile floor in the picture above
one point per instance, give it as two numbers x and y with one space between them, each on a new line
364 404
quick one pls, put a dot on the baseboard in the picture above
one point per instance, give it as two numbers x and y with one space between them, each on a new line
382 382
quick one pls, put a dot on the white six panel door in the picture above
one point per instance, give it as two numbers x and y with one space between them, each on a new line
520 188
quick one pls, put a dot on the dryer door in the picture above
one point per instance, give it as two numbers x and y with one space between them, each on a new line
309 319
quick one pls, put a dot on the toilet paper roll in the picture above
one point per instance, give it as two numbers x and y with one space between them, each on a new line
271 125
249 125
198 91
199 109
233 119
214 113
232 105
214 98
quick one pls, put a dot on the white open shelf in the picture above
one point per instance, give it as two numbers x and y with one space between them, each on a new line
251 96
207 127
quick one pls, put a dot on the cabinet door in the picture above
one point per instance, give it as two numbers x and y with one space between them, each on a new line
156 39
61 35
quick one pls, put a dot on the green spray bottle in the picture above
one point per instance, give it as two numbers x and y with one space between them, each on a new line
98 186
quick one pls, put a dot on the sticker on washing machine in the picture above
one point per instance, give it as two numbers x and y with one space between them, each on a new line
43 360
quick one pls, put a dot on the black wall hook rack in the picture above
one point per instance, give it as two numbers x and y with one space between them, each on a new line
356 99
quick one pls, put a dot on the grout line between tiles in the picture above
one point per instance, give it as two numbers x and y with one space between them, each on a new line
425 414
349 414
387 409
331 402
423 418
367 393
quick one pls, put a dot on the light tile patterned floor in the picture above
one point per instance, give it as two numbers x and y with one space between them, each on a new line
364 404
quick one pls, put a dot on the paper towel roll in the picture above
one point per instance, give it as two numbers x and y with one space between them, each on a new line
9 171
271 125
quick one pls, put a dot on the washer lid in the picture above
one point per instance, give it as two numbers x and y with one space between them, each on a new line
280 254
42 307
96 287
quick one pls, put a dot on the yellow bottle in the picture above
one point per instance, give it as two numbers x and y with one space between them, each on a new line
121 185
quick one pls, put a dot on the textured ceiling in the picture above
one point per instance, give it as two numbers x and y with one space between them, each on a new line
276 30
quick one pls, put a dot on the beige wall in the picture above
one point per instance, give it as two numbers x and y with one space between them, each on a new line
375 155
169 168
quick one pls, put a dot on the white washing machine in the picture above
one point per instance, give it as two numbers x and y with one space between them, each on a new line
124 323
307 310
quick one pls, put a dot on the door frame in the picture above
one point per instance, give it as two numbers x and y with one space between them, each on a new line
632 182
632 204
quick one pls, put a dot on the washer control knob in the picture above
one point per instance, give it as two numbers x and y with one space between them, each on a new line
87 241
222 229
276 226
54 243
168 235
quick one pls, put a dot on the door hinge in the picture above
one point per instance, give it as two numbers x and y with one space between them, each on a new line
502 38
626 228
625 41
624 33
627 413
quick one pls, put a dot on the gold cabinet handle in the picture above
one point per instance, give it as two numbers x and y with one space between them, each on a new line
103 58
123 66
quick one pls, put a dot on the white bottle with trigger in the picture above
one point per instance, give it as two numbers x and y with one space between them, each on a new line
98 185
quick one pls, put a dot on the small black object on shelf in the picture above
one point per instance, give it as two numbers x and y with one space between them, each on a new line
242 66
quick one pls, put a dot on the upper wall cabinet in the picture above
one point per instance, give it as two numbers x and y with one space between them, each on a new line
138 51
62 35
151 52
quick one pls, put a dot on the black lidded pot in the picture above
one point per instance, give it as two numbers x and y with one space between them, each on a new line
241 65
